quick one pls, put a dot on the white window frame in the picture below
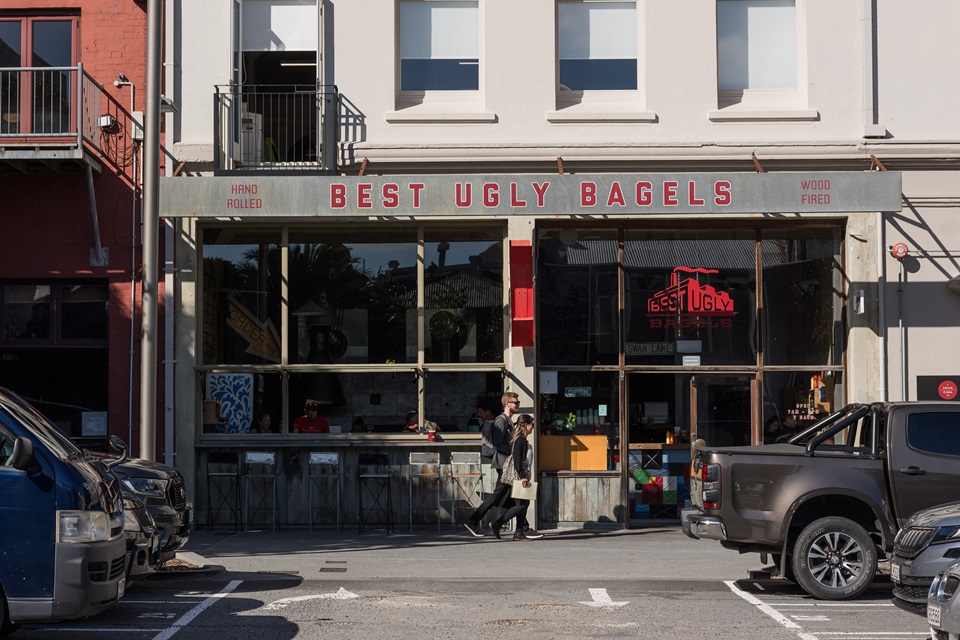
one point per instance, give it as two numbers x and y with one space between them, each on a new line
436 105
604 105
768 104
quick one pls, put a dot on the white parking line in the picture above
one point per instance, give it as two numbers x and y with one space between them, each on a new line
188 617
770 611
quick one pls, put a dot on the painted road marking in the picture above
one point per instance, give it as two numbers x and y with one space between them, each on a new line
342 594
767 609
602 599
189 616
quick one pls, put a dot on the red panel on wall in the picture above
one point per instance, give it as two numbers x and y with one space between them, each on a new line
521 293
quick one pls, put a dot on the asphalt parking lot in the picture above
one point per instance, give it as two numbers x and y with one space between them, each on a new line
577 584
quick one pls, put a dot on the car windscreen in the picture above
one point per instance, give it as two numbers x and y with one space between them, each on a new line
21 411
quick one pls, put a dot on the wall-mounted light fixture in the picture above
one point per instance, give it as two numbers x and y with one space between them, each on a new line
167 105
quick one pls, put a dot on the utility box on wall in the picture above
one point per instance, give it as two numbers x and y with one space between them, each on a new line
521 293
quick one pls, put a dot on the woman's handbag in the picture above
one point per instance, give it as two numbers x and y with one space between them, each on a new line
509 473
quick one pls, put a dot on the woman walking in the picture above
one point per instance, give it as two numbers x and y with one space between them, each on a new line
520 467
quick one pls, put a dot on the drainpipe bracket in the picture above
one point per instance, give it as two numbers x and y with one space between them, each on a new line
104 260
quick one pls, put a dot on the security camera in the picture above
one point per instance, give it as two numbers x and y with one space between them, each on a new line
122 82
123 78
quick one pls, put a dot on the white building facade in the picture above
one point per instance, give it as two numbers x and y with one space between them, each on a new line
655 222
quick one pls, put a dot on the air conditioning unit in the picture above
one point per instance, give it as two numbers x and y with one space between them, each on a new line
251 138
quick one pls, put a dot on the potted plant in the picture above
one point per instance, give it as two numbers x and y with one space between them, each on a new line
564 423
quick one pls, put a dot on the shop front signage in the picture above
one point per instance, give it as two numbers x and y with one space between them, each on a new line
938 388
650 348
687 303
585 194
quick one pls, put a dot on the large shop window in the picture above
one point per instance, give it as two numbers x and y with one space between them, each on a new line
365 339
690 297
241 297
463 295
802 307
750 319
52 331
578 297
353 296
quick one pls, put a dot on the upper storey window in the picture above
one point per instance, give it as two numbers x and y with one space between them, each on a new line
757 45
598 45
439 46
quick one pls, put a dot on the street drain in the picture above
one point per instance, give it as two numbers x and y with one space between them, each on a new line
333 569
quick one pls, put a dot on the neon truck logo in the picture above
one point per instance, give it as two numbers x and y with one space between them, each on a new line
687 304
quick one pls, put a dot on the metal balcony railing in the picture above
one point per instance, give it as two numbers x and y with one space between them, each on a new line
45 110
46 104
275 128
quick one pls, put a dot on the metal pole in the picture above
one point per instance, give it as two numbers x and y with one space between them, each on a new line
903 363
151 215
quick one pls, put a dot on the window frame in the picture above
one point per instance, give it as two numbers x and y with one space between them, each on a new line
26 100
409 97
56 315
773 103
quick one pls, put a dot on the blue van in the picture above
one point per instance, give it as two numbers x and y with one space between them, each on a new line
62 549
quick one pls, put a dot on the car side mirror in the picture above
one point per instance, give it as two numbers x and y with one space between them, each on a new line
23 458
117 444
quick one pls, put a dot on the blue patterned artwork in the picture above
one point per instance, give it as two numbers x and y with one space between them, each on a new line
234 392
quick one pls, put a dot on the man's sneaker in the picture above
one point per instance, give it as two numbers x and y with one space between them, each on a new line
474 529
533 534
520 535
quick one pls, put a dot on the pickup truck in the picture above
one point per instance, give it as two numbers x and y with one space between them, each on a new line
827 504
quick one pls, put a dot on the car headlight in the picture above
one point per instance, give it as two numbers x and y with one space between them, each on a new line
945 534
82 526
130 521
153 487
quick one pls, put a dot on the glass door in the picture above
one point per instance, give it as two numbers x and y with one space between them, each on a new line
722 408
664 413
658 421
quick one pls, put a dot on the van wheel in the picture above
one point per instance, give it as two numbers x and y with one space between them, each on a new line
6 627
834 559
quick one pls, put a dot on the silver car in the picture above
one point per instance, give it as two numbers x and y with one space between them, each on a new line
928 541
943 609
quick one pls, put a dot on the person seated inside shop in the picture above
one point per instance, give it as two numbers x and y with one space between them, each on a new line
310 422
412 422
357 426
775 431
263 423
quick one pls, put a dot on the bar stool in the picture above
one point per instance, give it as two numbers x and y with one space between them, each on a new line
424 470
373 479
466 475
223 488
324 478
261 486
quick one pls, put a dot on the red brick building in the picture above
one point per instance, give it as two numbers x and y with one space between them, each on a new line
71 79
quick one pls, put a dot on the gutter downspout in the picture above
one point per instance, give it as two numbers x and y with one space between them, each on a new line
169 271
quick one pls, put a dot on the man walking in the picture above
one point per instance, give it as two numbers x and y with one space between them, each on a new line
495 438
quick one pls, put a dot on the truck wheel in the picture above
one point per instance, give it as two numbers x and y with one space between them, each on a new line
834 559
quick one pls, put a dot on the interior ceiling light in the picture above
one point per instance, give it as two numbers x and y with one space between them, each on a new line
296 63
